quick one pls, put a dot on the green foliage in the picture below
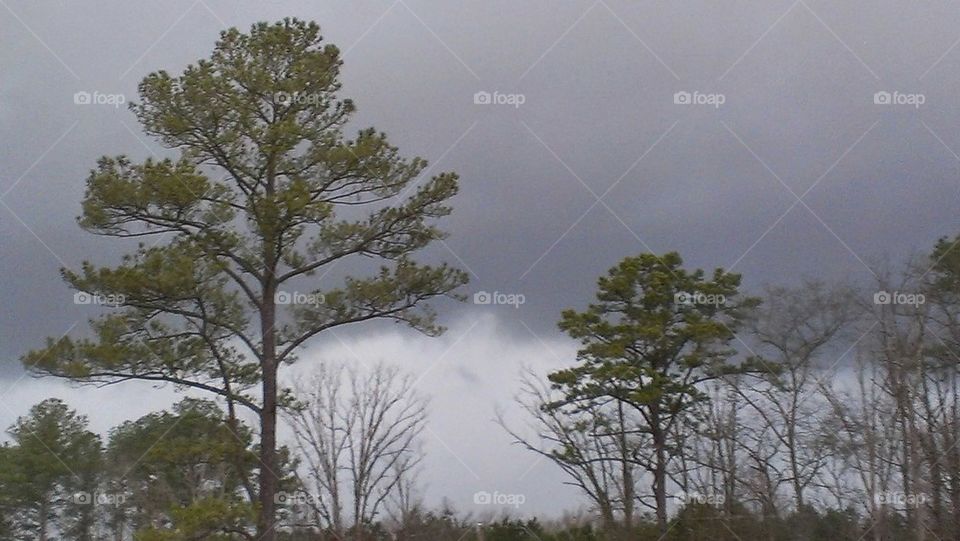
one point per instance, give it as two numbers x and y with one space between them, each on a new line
263 112
49 472
946 267
700 522
642 344
656 333
186 470
212 518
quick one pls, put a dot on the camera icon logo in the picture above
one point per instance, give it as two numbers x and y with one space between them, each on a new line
482 498
482 297
682 297
882 297
282 297
882 98
82 98
482 98
283 98
281 498
82 297
82 498
682 98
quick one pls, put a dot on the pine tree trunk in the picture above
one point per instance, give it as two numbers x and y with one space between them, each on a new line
660 470
268 459
268 418
43 521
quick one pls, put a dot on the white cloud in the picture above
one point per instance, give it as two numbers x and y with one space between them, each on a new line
468 373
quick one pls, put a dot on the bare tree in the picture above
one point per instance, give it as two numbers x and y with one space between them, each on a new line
798 332
406 501
899 346
712 461
592 443
358 432
864 423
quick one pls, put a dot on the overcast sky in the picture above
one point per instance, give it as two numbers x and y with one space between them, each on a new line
790 165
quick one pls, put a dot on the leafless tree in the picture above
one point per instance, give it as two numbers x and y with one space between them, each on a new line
593 444
798 333
358 433
713 459
864 423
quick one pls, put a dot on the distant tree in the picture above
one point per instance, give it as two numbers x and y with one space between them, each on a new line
800 334
940 405
656 334
8 505
358 432
246 213
712 460
168 467
591 444
440 525
865 439
48 474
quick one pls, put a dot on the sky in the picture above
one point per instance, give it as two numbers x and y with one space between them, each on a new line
779 139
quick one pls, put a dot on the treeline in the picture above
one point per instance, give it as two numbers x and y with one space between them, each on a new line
185 474
693 411
58 480
817 408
